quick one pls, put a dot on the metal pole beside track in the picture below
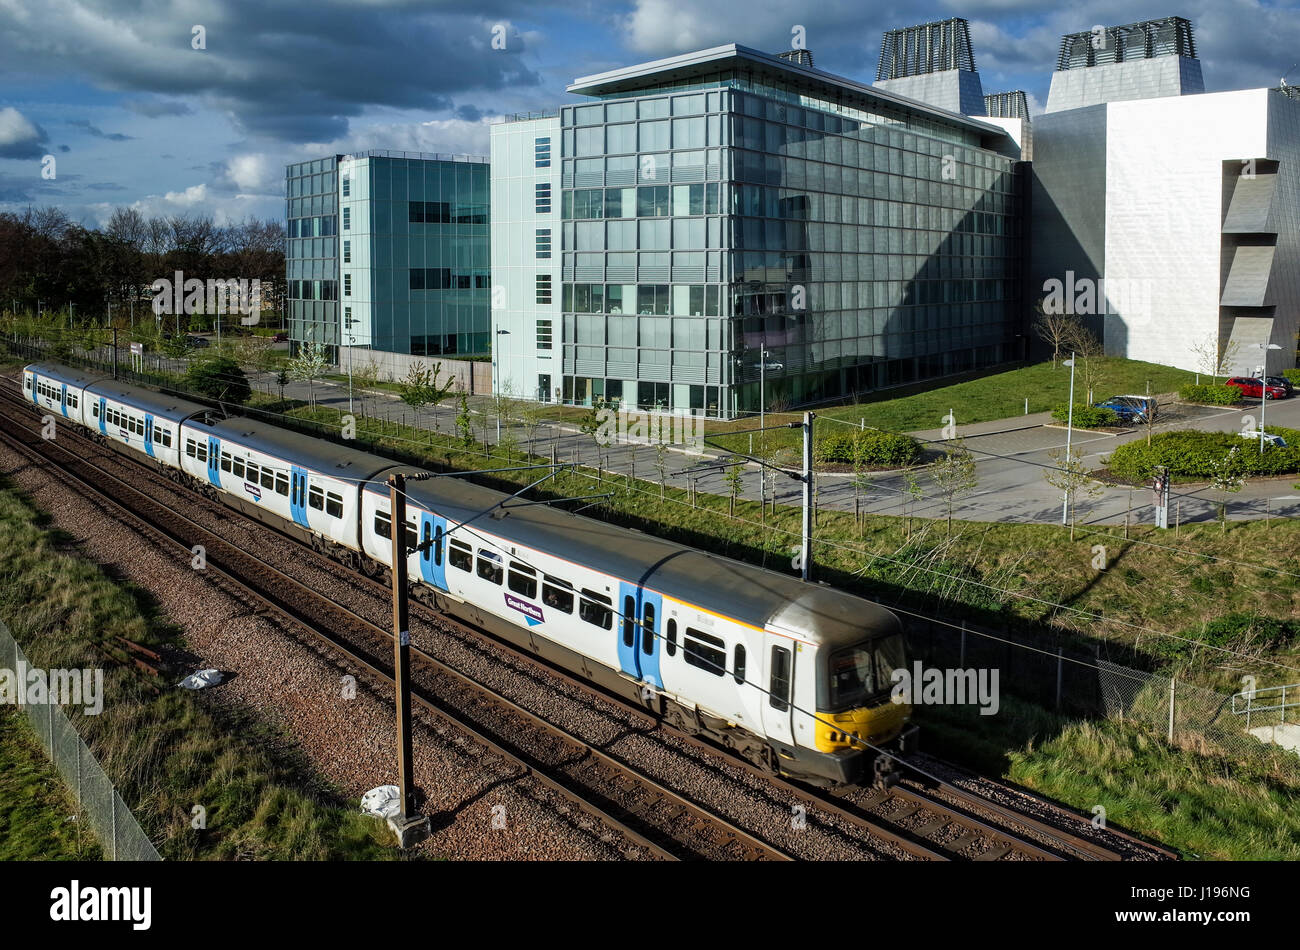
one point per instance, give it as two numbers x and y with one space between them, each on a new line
807 495
410 826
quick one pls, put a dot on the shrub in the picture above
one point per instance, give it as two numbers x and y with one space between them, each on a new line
870 447
1210 394
1086 416
1193 454
218 377
1293 375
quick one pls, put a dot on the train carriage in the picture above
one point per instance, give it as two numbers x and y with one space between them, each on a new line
143 420
58 390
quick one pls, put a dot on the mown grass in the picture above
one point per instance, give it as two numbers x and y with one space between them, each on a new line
168 752
1200 803
37 811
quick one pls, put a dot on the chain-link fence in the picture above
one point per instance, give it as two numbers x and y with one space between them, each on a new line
99 804
1064 680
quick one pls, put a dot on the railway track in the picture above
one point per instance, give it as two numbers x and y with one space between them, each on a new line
654 820
920 824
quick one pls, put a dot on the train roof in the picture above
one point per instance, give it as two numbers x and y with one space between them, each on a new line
753 595
307 451
161 405
64 374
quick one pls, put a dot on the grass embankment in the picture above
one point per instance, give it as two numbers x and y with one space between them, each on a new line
1202 805
36 808
166 752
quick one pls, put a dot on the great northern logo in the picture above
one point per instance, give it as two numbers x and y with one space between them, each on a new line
532 613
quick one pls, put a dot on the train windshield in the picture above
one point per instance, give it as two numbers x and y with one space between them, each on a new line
860 672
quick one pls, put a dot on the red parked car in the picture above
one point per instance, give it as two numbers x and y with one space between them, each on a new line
1250 386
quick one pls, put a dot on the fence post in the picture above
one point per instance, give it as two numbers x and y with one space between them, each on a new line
112 809
1060 668
1172 683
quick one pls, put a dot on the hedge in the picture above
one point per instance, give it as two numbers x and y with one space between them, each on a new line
1194 454
1086 416
1216 394
870 447
1293 375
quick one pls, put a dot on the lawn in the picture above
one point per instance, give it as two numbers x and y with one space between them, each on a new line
37 814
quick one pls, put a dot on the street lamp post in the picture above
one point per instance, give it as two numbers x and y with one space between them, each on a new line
1263 388
1069 432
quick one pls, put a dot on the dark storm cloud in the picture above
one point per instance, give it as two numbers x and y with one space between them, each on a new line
293 73
157 108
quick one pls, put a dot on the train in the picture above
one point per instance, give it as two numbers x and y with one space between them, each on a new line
794 677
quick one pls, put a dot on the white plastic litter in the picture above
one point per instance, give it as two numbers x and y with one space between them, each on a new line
382 802
201 680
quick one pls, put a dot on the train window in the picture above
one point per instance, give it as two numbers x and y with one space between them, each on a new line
157 435
629 621
237 469
672 637
779 687
225 461
167 439
489 566
72 401
427 539
201 452
738 665
460 556
557 593
268 479
189 448
523 580
384 524
316 497
410 534
333 505
595 609
705 651
252 470
94 409
648 633
282 484
437 545
27 383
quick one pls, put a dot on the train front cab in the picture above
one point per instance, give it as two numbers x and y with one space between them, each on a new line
854 713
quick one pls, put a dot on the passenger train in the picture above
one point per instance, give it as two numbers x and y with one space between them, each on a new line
785 673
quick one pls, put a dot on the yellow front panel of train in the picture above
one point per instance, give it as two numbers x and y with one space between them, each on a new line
874 724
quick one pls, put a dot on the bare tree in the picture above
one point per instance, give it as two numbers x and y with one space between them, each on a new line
1070 475
1053 328
1215 356
954 476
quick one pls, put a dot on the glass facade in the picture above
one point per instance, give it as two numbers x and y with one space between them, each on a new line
858 245
429 256
311 257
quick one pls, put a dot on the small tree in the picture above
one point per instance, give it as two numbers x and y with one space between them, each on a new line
256 352
1071 476
954 477
465 421
913 494
534 417
308 366
420 386
1053 328
1214 358
1090 357
1227 477
282 380
661 466
735 479
365 376
220 378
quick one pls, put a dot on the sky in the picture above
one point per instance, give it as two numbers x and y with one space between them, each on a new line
183 107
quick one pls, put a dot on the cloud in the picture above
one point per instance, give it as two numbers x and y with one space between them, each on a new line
276 73
257 173
97 132
157 108
19 136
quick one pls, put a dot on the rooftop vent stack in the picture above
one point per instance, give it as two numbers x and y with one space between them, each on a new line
800 57
933 63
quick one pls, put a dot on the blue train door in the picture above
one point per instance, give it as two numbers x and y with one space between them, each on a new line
640 620
36 389
148 434
214 460
103 413
433 532
63 399
298 494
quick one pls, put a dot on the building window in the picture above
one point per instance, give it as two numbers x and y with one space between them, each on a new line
347 285
347 219
544 288
347 252
347 186
543 334
542 152
543 198
543 243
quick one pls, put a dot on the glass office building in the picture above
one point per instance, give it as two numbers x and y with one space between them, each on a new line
397 258
728 204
